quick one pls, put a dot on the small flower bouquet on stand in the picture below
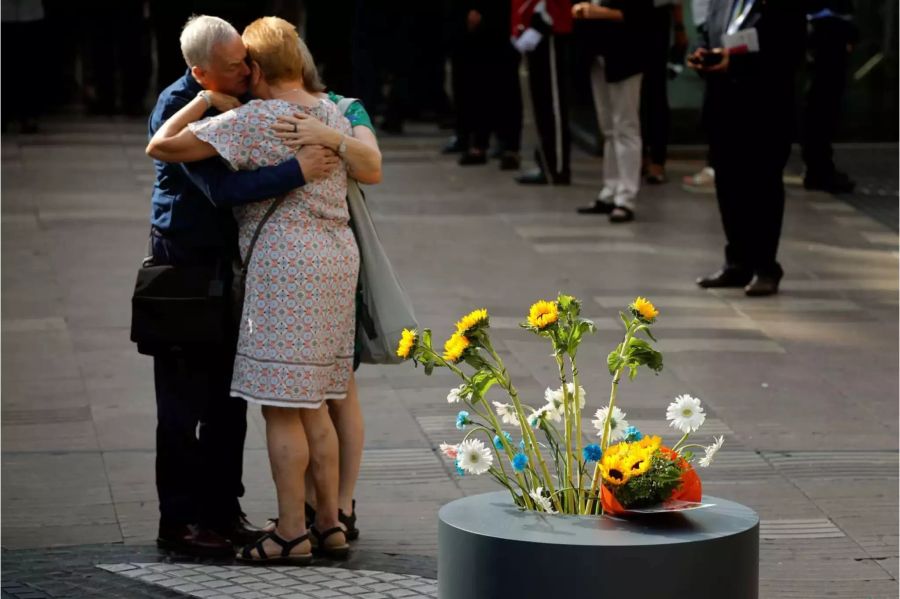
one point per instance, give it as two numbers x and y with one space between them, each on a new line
625 472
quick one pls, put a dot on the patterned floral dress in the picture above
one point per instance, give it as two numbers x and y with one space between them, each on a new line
295 347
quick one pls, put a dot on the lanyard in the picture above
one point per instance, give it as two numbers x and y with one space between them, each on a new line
739 15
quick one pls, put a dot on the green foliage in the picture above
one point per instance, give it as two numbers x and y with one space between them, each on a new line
654 486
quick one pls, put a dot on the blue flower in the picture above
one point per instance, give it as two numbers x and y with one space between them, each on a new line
632 434
498 443
459 470
519 462
462 419
592 453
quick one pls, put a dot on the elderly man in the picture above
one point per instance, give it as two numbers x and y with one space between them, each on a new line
200 428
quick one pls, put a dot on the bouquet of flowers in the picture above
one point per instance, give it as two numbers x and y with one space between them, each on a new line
630 470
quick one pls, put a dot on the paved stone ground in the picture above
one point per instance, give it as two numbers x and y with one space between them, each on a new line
804 385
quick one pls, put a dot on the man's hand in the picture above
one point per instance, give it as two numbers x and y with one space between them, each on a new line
316 162
700 63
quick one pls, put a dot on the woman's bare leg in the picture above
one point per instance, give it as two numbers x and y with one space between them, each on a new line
348 422
289 457
323 453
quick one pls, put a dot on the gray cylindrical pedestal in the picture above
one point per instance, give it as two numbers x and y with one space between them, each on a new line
488 549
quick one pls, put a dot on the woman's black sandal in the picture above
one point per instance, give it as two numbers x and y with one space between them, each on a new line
286 557
331 551
349 523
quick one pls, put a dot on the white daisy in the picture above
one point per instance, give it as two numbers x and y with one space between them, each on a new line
685 414
541 501
507 413
448 450
457 394
617 424
536 415
555 401
711 450
473 457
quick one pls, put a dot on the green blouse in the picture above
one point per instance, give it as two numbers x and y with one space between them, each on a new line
356 114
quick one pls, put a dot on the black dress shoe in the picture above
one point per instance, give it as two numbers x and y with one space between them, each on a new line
534 177
240 531
597 207
473 159
194 540
836 182
564 179
621 214
727 277
762 285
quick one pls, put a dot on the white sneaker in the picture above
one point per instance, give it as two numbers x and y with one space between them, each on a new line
703 181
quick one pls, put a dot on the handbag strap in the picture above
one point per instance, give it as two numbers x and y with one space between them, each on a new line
271 210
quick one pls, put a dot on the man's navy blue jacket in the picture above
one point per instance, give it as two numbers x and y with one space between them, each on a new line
192 202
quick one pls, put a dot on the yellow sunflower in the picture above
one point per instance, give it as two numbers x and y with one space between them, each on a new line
638 461
650 442
543 314
470 321
408 340
614 471
644 309
454 347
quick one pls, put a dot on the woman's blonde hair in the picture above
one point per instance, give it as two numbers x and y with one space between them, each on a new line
275 45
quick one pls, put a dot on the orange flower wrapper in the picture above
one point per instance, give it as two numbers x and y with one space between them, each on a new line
691 488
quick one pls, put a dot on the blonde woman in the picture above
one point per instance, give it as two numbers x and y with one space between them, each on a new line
295 349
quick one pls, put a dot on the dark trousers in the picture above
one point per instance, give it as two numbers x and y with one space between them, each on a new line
548 81
749 123
200 428
496 68
654 86
828 78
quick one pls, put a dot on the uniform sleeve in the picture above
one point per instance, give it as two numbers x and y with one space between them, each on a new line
356 112
233 134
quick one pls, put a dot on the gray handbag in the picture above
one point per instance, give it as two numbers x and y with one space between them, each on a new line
385 307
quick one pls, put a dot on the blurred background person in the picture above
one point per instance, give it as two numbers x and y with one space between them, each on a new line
542 30
749 57
22 28
666 40
704 180
832 35
490 98
620 29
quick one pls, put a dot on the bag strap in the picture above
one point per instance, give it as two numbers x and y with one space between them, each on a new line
271 210
344 104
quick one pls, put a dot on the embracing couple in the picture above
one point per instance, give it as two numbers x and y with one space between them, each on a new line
249 135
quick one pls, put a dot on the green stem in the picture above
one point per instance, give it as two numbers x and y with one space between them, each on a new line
580 446
567 423
680 441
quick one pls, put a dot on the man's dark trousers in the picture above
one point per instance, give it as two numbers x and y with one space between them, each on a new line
200 428
548 80
750 123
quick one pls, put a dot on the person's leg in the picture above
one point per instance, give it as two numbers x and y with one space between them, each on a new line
562 139
289 458
541 100
348 422
508 109
625 98
324 463
178 456
223 429
603 108
654 92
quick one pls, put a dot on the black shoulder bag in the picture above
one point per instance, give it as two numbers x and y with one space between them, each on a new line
174 306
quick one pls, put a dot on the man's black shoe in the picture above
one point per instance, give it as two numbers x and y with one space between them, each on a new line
240 531
535 177
762 285
727 277
193 540
473 159
565 179
597 207
836 182
453 146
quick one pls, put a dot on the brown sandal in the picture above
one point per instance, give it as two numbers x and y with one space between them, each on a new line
286 557
331 551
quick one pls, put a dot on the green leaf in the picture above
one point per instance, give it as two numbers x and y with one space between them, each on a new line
625 320
482 381
426 338
429 367
614 359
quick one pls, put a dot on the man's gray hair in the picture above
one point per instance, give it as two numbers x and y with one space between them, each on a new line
201 34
